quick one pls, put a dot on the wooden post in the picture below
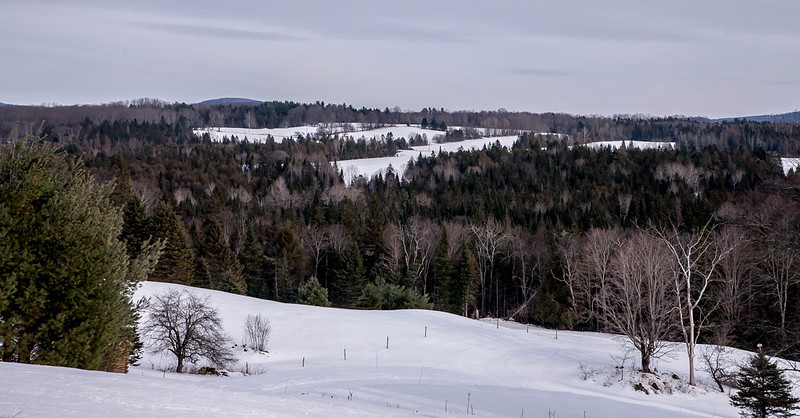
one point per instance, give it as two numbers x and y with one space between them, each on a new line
345 354
304 362
387 342
426 332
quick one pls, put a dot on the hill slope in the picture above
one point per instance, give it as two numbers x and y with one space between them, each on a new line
437 364
229 101
791 117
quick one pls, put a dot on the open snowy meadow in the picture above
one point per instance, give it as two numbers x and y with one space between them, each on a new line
436 364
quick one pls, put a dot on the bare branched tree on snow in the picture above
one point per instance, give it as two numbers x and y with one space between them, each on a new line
186 325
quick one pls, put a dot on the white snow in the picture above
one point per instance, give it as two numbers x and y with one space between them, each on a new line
502 368
369 167
354 130
790 163
634 144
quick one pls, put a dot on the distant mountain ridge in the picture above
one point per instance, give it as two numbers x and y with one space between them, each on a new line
230 101
4 104
791 117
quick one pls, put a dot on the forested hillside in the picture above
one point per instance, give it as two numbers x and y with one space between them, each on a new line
541 232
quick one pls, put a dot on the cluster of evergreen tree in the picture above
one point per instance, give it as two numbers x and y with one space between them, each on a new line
275 220
148 121
66 278
466 232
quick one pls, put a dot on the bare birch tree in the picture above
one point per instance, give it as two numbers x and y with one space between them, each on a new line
410 247
695 258
489 240
734 273
568 249
599 248
315 241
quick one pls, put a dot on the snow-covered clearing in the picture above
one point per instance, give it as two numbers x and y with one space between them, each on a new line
483 367
789 164
633 144
353 130
369 167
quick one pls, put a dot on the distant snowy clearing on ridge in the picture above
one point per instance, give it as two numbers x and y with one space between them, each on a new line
631 144
790 164
352 130
436 364
370 167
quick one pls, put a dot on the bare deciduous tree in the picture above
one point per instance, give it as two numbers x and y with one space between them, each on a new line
568 248
734 273
489 239
599 248
529 256
640 301
415 243
315 241
188 327
695 258
256 331
456 233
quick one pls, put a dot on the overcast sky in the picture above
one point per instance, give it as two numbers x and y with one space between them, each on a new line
704 58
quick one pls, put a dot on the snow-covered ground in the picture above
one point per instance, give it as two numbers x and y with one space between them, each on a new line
790 163
634 144
369 167
354 130
462 365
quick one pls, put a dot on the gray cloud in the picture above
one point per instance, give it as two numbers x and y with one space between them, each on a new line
714 58
540 72
218 32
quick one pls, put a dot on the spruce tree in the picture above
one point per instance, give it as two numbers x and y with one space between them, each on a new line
176 261
312 293
134 225
252 260
216 266
442 269
763 391
464 285
66 280
350 277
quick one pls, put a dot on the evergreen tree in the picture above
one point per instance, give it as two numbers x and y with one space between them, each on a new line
252 259
350 278
463 288
285 260
134 226
763 391
177 259
312 293
122 190
386 296
216 266
66 280
442 269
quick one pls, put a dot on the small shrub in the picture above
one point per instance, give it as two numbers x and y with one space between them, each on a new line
256 331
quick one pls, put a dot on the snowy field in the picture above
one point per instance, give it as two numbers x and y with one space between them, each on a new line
354 130
369 167
790 163
461 367
633 144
